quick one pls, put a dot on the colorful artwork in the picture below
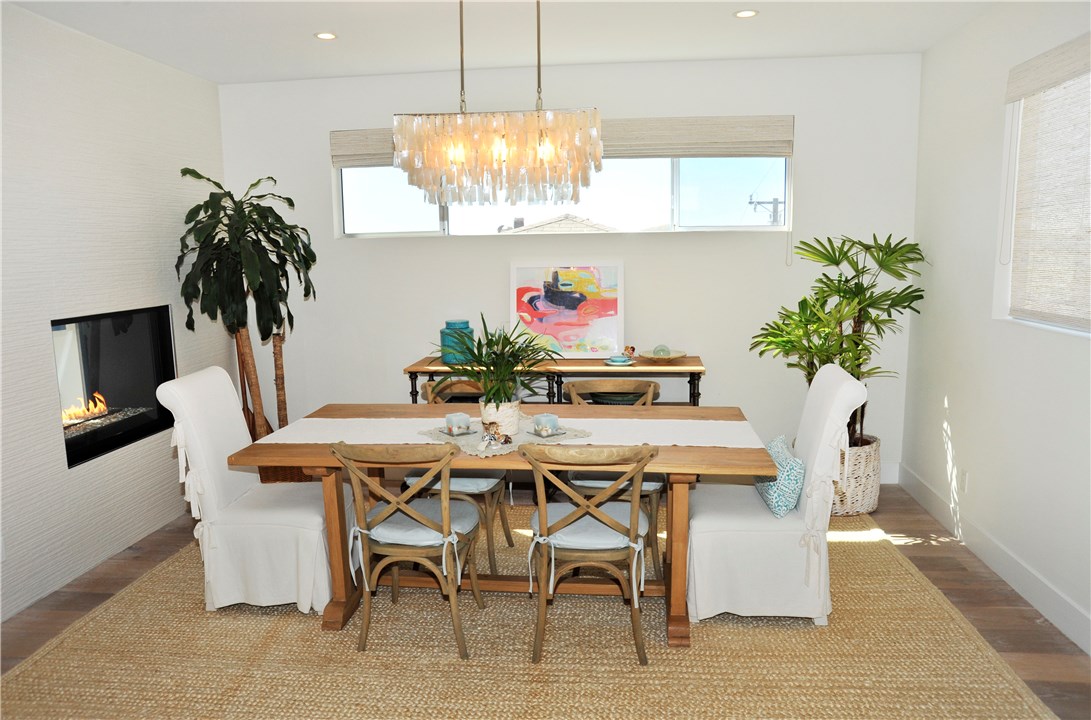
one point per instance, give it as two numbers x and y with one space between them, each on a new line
576 309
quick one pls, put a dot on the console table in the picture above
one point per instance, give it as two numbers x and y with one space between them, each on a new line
556 372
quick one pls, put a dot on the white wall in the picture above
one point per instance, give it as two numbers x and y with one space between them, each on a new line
381 302
93 206
997 422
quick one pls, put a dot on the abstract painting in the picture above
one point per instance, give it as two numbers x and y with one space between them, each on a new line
575 308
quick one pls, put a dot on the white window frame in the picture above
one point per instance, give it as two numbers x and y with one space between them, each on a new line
1049 69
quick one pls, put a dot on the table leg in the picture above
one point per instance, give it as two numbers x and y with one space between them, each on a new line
677 558
413 388
695 388
346 594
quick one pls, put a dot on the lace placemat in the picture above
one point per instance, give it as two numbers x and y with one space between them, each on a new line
473 444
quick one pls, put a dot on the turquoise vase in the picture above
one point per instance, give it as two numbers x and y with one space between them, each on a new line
447 339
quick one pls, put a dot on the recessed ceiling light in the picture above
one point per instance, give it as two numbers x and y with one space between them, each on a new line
746 13
325 36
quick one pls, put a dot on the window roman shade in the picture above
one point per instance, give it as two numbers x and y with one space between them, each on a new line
743 136
1051 231
362 148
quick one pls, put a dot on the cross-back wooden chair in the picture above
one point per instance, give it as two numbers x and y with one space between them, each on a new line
450 391
612 391
484 487
438 534
588 531
621 391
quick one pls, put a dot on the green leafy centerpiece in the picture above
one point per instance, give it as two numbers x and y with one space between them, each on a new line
503 363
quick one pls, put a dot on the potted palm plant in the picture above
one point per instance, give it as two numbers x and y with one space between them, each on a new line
244 249
502 363
843 320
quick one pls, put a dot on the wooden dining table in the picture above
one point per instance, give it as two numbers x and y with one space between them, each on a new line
682 464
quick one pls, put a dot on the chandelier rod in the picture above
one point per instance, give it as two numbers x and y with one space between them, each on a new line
538 4
461 62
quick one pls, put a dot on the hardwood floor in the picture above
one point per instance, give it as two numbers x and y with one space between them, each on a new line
1054 667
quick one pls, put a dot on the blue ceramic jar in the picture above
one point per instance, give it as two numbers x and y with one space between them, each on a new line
448 340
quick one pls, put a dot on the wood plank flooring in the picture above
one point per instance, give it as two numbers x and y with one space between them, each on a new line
1054 667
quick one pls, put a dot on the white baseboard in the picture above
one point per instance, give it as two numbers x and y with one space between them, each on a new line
1057 607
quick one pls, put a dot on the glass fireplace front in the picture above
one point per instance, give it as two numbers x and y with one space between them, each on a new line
108 367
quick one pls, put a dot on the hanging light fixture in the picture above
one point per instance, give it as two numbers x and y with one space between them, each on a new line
534 156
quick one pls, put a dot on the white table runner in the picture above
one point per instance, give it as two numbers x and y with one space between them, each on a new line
389 431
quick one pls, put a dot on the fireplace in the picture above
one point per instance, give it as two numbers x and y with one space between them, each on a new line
108 367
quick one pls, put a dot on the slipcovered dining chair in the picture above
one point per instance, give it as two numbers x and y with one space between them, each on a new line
594 532
484 487
262 544
438 534
745 560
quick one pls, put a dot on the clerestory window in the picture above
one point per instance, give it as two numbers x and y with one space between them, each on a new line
662 174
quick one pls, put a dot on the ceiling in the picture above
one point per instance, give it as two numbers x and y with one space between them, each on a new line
244 42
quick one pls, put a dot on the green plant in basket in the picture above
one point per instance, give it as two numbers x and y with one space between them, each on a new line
502 362
846 314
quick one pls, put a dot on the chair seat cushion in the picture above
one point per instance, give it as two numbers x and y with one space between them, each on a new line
400 529
467 481
717 508
782 493
588 533
653 482
292 504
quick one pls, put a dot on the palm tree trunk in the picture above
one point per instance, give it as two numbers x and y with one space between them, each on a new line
245 351
278 379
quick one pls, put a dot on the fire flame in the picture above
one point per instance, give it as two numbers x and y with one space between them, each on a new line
95 407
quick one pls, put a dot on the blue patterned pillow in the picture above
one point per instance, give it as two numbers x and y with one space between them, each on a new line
782 494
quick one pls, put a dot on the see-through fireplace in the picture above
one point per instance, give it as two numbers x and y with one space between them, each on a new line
108 368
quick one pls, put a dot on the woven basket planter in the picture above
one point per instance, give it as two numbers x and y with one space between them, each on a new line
857 490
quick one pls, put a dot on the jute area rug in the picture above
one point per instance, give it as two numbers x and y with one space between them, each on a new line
894 648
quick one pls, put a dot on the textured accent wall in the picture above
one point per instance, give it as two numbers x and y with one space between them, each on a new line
93 140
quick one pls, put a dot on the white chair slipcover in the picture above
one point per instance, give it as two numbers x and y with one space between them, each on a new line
262 544
746 561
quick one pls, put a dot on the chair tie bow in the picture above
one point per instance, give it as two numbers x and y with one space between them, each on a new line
452 540
638 557
541 540
187 476
356 554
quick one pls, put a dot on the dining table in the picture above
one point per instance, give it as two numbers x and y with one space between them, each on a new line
706 443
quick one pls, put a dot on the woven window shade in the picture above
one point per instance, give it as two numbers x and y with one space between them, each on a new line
747 136
744 136
362 148
1051 236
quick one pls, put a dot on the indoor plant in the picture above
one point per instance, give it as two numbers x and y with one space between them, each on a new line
842 320
243 249
501 362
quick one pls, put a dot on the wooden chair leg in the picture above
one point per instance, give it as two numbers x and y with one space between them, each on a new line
543 597
490 500
653 535
472 563
394 583
365 619
451 588
505 524
638 633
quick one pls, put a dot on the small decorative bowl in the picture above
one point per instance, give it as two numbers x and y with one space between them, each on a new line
674 355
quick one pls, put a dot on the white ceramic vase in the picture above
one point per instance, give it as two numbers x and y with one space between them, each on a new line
506 415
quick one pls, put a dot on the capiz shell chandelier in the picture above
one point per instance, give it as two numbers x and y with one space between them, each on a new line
538 156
